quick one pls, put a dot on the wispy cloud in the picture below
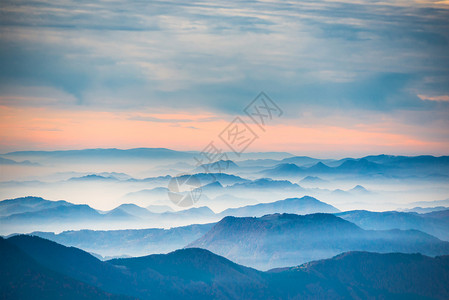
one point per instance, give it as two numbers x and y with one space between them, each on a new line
332 59
443 98
167 118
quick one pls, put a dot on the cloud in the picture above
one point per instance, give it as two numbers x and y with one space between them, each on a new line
332 60
35 96
443 98
158 120
185 119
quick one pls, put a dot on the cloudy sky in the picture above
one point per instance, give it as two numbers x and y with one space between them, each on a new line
351 77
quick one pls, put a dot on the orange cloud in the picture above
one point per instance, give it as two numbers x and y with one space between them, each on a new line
434 98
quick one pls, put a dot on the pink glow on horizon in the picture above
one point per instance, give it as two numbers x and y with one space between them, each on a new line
30 128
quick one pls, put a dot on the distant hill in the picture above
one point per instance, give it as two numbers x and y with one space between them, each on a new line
424 167
313 180
283 170
159 208
424 210
318 168
94 177
287 239
27 214
362 165
52 211
220 166
265 184
103 154
358 190
225 201
113 154
6 161
431 203
23 215
222 178
436 224
148 196
133 242
304 205
212 189
304 160
133 210
28 204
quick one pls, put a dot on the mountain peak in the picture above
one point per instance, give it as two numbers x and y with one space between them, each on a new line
304 205
284 169
319 167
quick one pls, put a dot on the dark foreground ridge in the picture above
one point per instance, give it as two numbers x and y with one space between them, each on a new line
33 267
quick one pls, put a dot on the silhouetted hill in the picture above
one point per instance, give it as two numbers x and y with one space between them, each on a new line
304 205
404 276
73 212
94 177
429 167
220 166
303 160
199 274
195 274
71 262
432 203
134 242
362 166
104 154
438 215
265 183
212 188
6 161
281 170
108 154
45 215
134 210
159 208
28 204
424 165
22 277
313 180
319 168
358 189
222 178
435 223
286 239
194 212
424 210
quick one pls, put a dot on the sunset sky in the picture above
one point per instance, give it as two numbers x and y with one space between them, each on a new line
351 77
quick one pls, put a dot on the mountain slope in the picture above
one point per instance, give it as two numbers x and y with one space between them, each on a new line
286 169
436 224
195 274
396 273
71 262
304 205
199 274
23 278
134 242
37 214
28 204
286 239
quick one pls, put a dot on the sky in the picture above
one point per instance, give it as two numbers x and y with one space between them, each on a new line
351 77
